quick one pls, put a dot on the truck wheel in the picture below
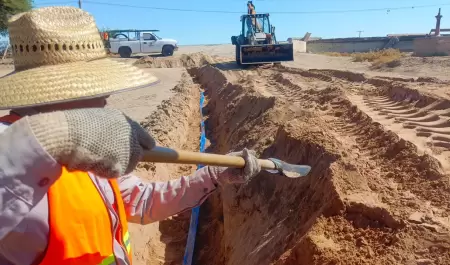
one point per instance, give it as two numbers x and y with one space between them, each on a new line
125 52
167 50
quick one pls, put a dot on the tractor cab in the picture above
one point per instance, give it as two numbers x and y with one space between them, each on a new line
257 29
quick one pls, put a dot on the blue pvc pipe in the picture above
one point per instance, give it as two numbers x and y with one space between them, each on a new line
190 244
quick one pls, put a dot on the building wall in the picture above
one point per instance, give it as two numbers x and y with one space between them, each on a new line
405 46
356 46
299 46
432 46
348 47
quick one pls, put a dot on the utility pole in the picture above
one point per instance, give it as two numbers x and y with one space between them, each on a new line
359 31
437 31
79 3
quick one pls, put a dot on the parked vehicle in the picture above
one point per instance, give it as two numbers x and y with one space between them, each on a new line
128 42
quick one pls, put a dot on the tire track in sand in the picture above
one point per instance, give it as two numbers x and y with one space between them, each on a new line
373 144
427 128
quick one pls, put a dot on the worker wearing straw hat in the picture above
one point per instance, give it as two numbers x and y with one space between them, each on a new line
66 191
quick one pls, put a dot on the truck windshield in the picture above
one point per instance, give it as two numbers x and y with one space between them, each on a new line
157 36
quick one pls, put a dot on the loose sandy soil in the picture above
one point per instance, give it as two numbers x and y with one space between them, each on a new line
378 143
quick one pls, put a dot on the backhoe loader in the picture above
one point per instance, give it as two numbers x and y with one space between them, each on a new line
257 43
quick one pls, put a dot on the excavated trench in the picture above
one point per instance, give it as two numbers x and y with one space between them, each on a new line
261 222
364 201
174 124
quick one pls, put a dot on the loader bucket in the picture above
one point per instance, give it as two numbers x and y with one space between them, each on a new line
266 53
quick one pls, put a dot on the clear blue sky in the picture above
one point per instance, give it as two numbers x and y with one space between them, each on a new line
211 28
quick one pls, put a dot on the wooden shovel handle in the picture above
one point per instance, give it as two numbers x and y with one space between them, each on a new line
167 155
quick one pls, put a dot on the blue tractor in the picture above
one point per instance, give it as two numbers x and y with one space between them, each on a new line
258 44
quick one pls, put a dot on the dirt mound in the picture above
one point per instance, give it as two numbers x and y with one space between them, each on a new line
372 196
332 74
185 60
398 78
425 67
429 79
347 75
177 115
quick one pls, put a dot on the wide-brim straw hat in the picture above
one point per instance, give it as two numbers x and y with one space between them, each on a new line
59 56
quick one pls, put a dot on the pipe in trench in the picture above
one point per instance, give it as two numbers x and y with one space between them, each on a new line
190 244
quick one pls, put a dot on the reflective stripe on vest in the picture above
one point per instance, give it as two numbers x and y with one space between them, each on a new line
111 259
126 242
80 223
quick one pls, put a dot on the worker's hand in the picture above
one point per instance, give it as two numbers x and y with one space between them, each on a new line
102 141
224 175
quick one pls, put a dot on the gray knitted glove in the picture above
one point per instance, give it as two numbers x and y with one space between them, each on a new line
102 141
225 175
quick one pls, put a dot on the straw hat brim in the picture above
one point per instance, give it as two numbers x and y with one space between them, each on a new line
69 82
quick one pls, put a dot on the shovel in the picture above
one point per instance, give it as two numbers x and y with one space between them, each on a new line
272 165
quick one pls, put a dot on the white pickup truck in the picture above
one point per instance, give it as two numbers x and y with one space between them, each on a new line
128 42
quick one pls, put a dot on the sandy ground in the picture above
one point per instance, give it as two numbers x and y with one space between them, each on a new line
139 104
378 143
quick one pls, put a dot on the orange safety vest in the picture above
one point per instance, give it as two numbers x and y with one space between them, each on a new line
79 220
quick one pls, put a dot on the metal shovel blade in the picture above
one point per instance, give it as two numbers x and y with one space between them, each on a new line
289 170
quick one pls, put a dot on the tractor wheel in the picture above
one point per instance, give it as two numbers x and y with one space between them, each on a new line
238 59
238 55
167 50
125 52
